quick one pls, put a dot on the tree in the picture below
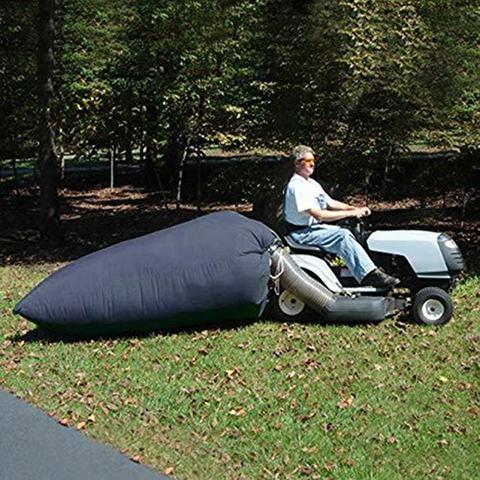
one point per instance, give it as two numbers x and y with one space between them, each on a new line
188 66
90 107
362 79
453 70
47 156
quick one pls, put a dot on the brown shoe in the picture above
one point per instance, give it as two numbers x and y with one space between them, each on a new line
378 278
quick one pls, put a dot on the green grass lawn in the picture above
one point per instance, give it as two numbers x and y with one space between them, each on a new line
264 400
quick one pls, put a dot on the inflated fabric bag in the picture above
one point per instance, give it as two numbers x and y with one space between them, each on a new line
209 269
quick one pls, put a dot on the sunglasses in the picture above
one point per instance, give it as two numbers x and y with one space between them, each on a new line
307 161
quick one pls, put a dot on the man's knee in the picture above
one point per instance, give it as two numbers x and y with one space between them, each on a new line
348 239
346 234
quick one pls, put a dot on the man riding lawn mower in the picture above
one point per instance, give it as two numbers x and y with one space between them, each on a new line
421 265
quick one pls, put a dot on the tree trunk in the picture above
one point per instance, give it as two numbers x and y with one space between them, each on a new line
174 151
62 162
180 172
172 159
129 153
149 165
199 180
112 167
386 169
49 221
150 148
15 174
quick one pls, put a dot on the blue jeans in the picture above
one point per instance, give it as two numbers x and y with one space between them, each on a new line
338 241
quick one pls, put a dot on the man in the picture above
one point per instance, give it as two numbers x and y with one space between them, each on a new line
308 212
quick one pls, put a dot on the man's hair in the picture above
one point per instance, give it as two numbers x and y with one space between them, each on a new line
300 151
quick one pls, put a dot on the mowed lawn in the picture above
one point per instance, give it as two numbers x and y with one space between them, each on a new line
264 399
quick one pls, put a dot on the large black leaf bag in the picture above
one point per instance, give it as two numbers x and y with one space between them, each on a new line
212 268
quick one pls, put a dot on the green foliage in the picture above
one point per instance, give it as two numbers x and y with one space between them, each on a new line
364 77
358 79
17 79
455 58
88 103
192 66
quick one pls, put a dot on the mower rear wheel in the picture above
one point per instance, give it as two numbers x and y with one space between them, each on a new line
432 306
287 307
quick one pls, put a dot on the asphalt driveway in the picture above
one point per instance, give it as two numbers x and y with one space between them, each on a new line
35 446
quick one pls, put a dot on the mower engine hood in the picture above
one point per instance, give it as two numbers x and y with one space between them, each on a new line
420 248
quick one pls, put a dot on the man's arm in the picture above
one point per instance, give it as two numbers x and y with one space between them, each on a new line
336 205
333 216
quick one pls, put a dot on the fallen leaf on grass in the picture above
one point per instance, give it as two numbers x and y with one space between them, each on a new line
305 418
231 372
305 470
456 429
346 402
240 412
327 427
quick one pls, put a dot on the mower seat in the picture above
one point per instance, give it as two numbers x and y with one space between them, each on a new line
305 249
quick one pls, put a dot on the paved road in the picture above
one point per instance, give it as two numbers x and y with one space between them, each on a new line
34 446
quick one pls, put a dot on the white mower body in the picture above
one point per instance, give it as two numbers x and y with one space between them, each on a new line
420 248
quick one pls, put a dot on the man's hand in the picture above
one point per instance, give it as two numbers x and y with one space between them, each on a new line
366 211
361 212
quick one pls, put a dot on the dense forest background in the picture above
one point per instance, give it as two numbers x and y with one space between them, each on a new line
160 84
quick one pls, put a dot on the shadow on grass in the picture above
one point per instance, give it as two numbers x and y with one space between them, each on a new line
39 334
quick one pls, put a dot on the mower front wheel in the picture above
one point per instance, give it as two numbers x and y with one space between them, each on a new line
432 306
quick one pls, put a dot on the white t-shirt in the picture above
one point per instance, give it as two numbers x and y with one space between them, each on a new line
301 195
